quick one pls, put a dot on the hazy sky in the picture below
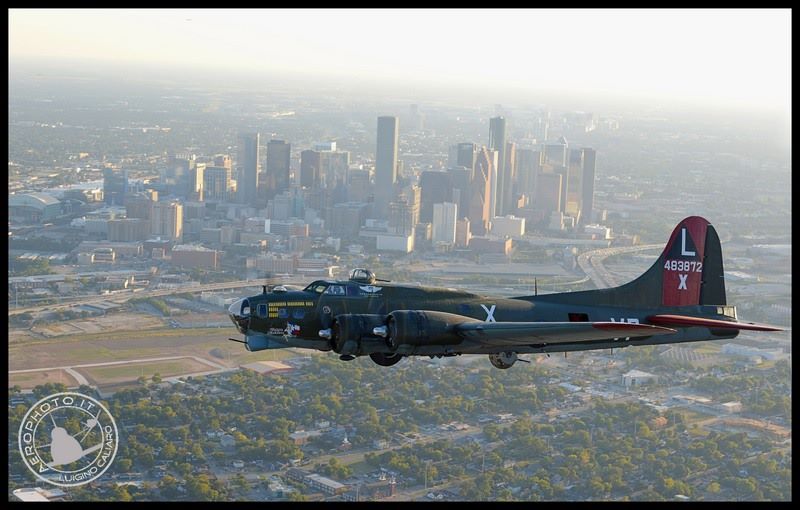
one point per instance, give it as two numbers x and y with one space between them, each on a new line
741 56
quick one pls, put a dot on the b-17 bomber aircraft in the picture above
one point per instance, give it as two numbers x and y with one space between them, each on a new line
681 298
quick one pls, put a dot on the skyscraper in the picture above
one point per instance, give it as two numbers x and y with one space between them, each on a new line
223 160
508 180
167 220
404 211
548 195
529 164
460 178
444 222
555 153
497 141
176 177
248 167
115 185
467 153
278 167
196 188
587 198
311 169
385 163
481 188
217 183
436 187
574 190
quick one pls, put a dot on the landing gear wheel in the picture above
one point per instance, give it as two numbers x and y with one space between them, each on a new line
385 360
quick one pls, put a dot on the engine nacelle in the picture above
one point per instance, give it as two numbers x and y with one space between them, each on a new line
423 327
352 334
503 360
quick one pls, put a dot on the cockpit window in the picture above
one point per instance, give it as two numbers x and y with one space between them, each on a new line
336 290
316 287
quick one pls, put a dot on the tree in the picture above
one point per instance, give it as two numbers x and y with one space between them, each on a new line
241 482
297 496
120 493
124 465
491 432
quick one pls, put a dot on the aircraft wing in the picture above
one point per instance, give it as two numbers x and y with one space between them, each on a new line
686 321
523 333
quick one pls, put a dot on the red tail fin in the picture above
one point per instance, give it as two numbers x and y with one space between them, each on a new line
683 263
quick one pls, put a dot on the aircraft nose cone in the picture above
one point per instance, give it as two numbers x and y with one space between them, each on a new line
239 313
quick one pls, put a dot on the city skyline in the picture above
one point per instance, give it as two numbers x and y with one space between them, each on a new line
691 56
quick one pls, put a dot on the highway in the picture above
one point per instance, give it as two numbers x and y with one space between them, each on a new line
124 296
591 263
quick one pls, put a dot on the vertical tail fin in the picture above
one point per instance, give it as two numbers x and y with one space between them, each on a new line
688 272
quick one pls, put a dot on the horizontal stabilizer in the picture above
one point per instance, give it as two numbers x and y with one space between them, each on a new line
685 321
515 333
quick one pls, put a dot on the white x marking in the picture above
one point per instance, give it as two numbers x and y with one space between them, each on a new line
489 313
682 284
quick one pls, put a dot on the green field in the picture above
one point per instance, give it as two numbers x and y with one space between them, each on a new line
118 373
32 379
129 345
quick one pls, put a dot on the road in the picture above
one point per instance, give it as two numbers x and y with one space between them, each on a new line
591 263
123 297
82 380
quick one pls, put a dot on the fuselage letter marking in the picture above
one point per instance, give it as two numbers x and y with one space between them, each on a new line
489 313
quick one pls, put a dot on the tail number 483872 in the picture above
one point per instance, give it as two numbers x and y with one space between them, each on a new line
686 266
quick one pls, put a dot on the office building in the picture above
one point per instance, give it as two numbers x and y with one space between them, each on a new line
278 171
508 199
196 177
479 205
460 178
193 256
508 226
463 154
385 164
217 185
347 218
574 188
497 141
115 185
177 178
248 164
310 169
358 186
223 160
463 234
436 188
167 220
528 167
555 153
128 229
404 211
444 222
140 205
587 192
547 199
